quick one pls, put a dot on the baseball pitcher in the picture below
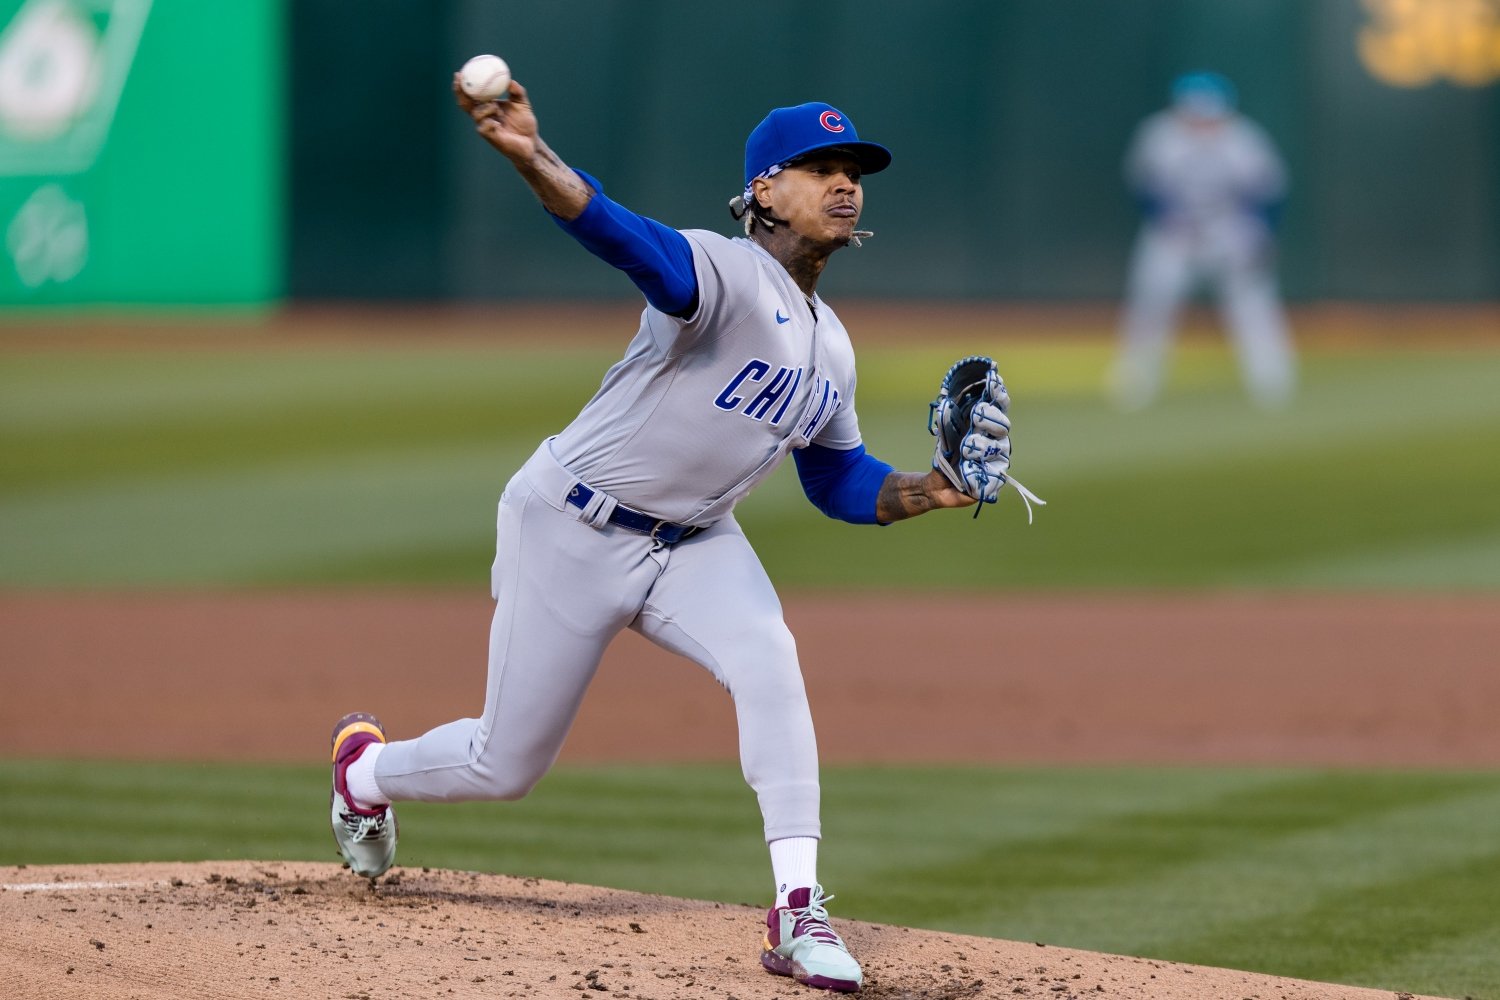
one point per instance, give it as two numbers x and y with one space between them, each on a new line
625 518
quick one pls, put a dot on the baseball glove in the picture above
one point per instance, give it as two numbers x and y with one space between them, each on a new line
971 422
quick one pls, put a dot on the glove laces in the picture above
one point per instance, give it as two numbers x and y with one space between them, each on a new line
1027 497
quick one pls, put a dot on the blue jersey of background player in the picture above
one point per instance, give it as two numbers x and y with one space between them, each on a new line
624 519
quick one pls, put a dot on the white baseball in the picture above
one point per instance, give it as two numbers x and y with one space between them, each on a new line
485 78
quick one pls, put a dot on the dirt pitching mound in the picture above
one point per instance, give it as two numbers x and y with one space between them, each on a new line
256 930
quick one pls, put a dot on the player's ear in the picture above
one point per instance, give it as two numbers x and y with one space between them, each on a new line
760 190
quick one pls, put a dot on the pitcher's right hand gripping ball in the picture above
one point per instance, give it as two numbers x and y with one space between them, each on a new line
969 418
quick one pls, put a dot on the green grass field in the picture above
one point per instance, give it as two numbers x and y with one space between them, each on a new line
381 465
244 466
1375 879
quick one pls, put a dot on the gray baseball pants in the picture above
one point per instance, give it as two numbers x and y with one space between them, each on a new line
563 589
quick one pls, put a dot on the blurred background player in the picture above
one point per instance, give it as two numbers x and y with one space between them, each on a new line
1210 184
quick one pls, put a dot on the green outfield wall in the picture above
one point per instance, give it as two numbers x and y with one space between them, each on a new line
1008 119
175 151
140 151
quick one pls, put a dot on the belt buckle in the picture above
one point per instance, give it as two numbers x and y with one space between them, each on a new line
656 530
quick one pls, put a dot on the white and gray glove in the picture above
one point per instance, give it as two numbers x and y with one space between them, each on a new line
971 422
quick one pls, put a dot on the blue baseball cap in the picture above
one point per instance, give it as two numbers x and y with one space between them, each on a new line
789 133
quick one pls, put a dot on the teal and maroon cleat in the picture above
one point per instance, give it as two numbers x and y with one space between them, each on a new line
800 943
366 837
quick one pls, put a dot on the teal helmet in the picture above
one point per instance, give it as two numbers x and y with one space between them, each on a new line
1204 93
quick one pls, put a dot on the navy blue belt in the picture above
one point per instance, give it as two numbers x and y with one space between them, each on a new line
665 532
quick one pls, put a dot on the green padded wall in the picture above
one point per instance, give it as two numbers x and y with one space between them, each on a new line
1008 120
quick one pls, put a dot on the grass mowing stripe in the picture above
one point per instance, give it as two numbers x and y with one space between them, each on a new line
1213 908
1319 942
1460 964
1344 402
83 391
1016 885
131 419
215 440
1465 563
1200 491
980 807
690 831
1224 505
74 812
1414 876
1221 523
1352 858
259 525
461 561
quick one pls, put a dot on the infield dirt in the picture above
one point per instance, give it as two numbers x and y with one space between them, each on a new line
246 929
1399 680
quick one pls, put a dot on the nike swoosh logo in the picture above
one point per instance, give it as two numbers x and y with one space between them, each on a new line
782 319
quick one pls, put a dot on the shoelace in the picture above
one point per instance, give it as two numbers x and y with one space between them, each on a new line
813 919
365 827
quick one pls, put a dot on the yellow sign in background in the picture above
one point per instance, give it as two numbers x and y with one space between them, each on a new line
1415 43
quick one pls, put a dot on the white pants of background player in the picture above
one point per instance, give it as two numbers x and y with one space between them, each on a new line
1236 261
563 590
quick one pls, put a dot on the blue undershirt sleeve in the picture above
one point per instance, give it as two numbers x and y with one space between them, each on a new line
657 258
842 483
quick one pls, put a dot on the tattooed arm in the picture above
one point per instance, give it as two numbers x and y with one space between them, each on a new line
658 259
510 126
907 494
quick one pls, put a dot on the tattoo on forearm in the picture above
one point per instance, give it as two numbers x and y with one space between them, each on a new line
557 187
903 495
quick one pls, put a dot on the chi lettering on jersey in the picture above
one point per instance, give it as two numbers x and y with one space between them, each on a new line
758 393
821 406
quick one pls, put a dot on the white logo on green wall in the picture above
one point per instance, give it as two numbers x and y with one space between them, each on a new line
49 237
63 65
98 202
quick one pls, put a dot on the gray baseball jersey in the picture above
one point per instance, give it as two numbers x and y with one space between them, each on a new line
697 412
701 410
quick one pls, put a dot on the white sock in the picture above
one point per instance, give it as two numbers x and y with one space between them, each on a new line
794 865
360 777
